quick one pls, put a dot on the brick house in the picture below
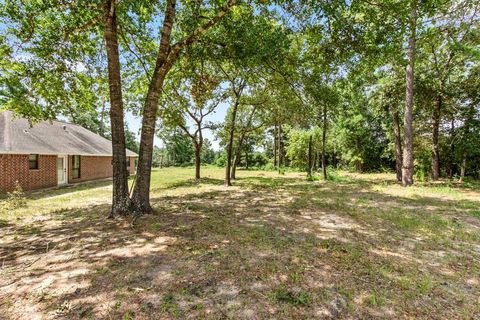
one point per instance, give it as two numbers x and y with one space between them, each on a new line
52 153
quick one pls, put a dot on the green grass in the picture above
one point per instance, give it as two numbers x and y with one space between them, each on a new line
475 213
283 295
354 246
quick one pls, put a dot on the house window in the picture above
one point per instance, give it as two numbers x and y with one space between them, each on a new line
33 161
76 166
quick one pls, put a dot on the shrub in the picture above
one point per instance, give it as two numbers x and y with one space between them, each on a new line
221 160
421 172
259 159
16 198
269 167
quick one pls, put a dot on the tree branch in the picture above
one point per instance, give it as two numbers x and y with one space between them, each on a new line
143 64
186 131
201 29
86 25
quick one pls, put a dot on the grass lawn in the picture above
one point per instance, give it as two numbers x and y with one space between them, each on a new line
358 246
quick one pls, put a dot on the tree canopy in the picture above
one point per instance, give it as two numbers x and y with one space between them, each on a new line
364 85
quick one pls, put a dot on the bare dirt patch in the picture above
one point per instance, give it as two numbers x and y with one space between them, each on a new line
272 247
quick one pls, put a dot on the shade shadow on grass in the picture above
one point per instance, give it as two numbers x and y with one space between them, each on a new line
225 254
188 183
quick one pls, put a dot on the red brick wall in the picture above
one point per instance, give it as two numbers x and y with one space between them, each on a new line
91 168
94 167
14 167
132 165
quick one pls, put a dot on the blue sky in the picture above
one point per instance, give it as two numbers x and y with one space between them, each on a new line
135 123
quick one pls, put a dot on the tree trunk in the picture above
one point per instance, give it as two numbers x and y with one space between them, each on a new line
435 148
238 153
275 146
309 169
280 149
466 133
398 144
324 142
451 170
334 160
198 160
407 166
141 191
238 156
358 166
463 167
120 197
246 160
228 181
236 161
166 57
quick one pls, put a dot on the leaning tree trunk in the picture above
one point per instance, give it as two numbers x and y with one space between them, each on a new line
407 166
435 147
233 171
228 166
141 191
166 57
324 142
398 145
236 160
120 199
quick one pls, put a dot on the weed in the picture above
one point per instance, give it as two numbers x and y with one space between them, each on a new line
3 223
475 213
375 299
283 295
295 276
168 304
424 285
128 315
15 199
198 306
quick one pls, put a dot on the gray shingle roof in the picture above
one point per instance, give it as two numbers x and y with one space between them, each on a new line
50 137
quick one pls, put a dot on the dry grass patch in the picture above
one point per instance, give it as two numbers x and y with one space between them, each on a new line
270 247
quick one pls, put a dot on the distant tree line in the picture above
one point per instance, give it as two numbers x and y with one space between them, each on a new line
365 85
